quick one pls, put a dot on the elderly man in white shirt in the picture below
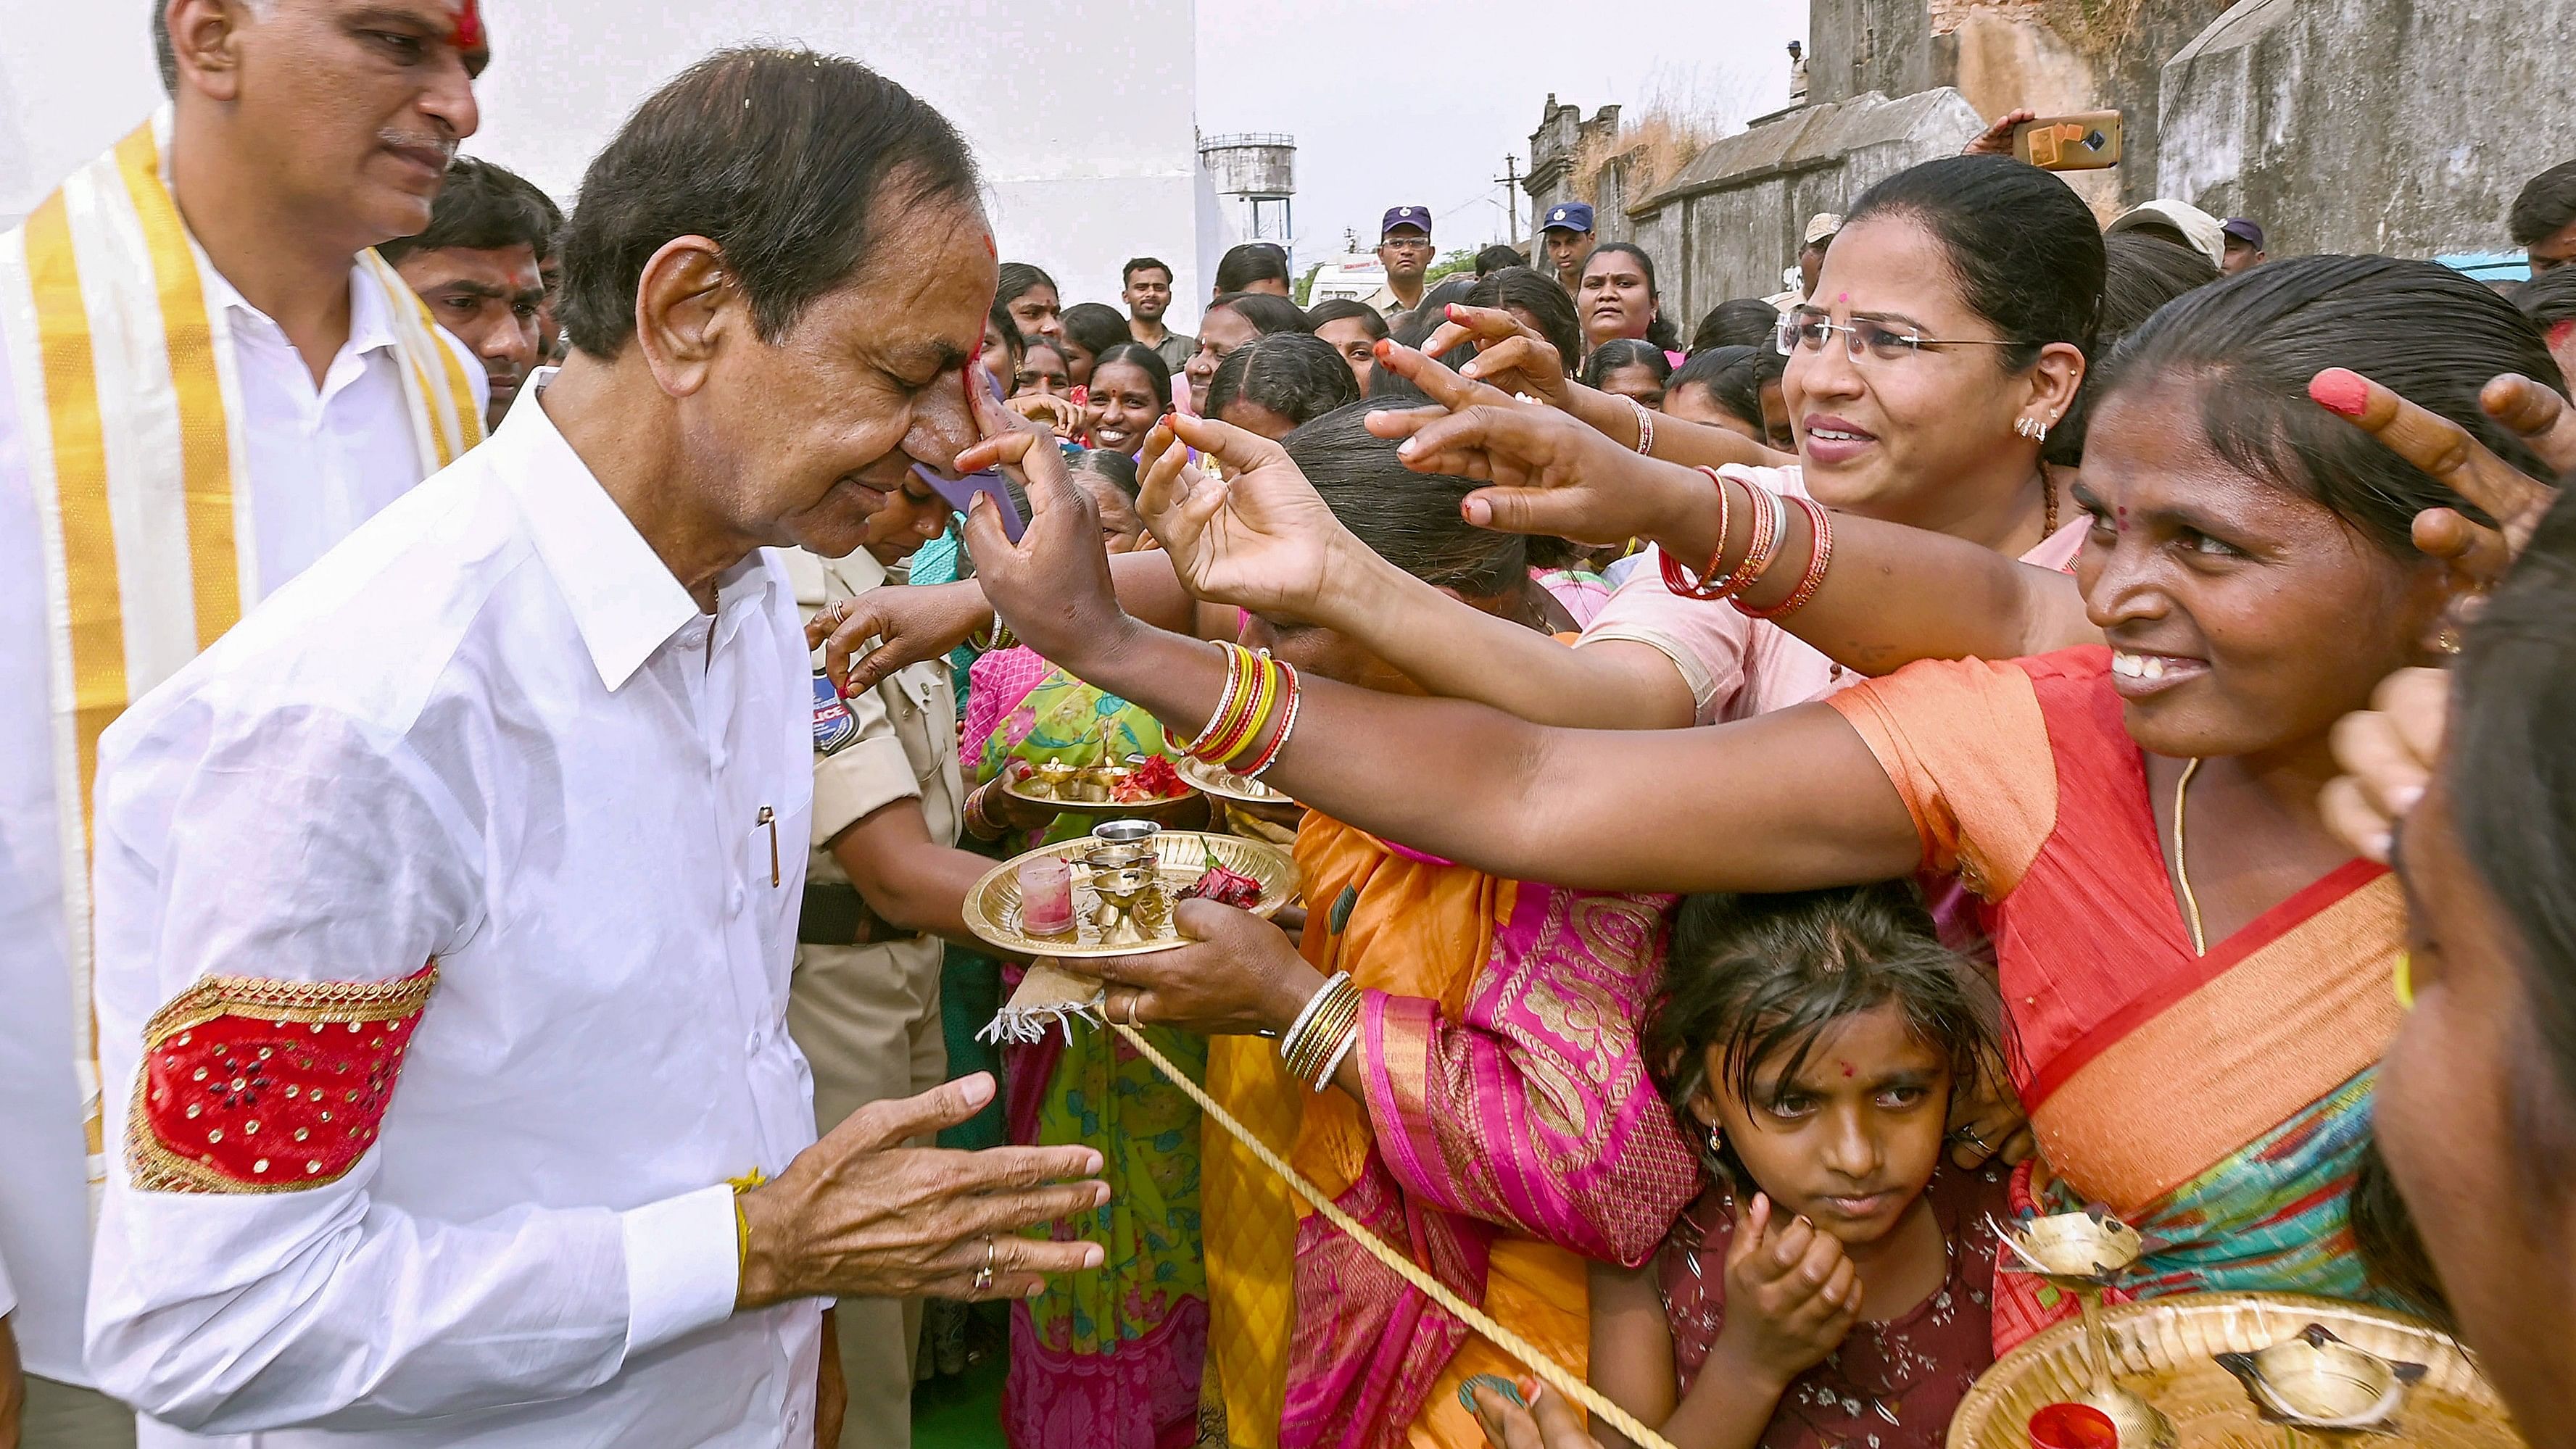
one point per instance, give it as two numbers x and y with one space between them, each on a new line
446 906
196 346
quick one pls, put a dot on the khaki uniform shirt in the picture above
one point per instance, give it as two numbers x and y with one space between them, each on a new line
867 1016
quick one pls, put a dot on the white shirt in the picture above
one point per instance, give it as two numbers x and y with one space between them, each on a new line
320 462
489 729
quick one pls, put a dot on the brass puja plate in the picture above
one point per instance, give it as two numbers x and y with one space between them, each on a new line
993 905
1015 783
2166 1351
1224 784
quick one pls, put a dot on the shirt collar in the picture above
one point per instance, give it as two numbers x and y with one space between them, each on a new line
623 598
371 323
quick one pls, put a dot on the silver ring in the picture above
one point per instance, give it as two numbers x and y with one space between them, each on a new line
984 1275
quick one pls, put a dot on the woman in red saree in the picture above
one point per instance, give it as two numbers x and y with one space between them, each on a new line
2251 570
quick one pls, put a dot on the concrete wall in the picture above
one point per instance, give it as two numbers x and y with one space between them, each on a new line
1859 46
565 73
2371 125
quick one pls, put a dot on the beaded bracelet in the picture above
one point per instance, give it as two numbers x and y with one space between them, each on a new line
1820 552
1707 588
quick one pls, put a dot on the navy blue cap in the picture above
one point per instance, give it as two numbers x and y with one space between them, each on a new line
1567 216
1412 216
2244 230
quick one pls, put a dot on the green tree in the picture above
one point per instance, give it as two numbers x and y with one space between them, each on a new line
1306 284
1461 260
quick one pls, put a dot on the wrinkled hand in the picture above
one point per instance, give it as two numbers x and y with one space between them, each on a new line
2387 753
860 1215
1238 975
1511 355
1259 538
2479 555
906 625
1551 474
1986 1120
1791 1295
1053 587
1550 1422
1997 139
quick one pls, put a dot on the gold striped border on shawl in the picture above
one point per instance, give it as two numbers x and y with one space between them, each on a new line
444 418
2297 1018
205 452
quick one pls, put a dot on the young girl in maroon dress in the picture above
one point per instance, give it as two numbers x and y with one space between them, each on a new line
1831 1286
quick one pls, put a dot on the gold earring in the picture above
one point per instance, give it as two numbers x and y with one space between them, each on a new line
1716 1139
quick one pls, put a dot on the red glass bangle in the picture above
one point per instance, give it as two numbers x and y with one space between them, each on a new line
1287 724
1708 589
1820 553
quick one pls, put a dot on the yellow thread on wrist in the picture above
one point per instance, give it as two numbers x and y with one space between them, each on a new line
741 1220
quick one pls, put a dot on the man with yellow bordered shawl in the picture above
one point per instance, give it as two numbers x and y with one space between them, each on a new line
207 378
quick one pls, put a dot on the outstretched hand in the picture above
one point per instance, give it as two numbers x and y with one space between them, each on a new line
1259 538
1511 355
2387 753
1053 587
1552 474
2478 553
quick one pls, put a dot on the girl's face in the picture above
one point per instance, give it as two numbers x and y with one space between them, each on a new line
1351 339
2464 1091
1043 373
1038 312
1852 1140
995 359
1220 332
1078 361
1891 434
1695 404
1636 381
1614 301
1124 396
1775 420
1255 417
1121 530
2243 618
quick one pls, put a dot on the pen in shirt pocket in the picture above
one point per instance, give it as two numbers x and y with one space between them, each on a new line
769 818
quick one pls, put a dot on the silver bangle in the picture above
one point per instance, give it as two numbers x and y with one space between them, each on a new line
1645 424
1288 1038
1333 1064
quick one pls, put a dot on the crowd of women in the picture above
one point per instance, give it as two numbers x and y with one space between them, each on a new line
1935 754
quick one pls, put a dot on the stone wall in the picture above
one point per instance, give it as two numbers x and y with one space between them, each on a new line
2371 125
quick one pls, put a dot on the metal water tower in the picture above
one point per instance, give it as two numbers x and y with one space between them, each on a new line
1257 171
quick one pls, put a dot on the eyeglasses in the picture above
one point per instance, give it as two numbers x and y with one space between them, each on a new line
1863 339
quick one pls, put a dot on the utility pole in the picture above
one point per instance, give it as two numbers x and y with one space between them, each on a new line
1510 181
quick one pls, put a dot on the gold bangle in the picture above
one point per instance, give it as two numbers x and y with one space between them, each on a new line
1324 1034
1235 674
1265 698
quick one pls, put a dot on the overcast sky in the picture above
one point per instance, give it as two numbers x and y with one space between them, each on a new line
1418 101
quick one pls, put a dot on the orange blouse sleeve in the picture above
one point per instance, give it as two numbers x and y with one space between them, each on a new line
1964 742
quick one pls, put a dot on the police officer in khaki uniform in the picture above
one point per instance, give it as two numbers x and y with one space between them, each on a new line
885 882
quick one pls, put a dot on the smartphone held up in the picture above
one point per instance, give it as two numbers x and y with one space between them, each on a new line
2086 142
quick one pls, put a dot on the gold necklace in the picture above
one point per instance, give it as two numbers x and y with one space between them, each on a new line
2182 864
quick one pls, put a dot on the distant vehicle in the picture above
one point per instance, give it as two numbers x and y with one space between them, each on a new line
1356 275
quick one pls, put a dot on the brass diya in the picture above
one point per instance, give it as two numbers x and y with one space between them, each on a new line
1134 878
2083 1253
1085 790
2315 1380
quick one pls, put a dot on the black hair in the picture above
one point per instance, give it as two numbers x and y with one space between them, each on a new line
1494 258
1137 354
1733 377
2252 342
1127 273
1095 327
1017 279
787 159
2546 206
1107 463
1031 342
1251 262
1737 322
2025 251
1411 328
1265 312
1621 352
481 206
1410 519
1335 309
2512 772
1757 978
1294 374
2548 299
1540 296
1007 327
2141 273
1661 331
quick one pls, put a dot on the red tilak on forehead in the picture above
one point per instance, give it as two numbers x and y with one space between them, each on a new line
989 249
468 34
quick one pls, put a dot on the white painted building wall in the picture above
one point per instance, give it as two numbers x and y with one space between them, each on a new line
1079 112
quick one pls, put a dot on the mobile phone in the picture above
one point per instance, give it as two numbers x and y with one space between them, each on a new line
960 492
2086 142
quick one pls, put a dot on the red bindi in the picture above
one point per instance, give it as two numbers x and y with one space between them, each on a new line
2122 514
1846 1066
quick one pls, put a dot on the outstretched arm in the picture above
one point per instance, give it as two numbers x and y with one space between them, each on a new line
1788 801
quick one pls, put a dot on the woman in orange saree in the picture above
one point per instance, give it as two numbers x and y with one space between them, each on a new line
2139 824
